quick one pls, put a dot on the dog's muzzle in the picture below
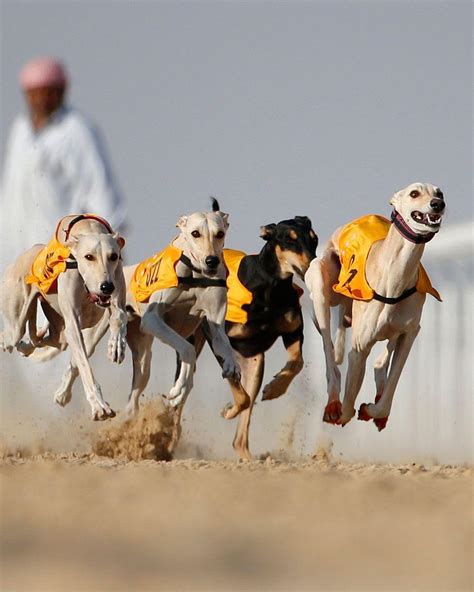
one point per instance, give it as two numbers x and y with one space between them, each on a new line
102 300
432 219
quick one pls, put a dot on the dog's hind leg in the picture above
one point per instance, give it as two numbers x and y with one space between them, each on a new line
278 386
153 324
380 410
17 312
319 278
92 337
140 345
252 377
198 339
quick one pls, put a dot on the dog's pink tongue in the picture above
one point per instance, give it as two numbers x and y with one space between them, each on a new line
93 297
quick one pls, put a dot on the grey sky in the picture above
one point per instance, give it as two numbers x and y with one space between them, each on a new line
278 109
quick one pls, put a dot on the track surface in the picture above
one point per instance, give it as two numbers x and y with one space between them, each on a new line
77 523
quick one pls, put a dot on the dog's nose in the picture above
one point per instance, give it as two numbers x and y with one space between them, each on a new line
437 205
212 262
107 287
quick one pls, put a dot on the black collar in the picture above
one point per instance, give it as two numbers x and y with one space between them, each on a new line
387 300
201 282
407 232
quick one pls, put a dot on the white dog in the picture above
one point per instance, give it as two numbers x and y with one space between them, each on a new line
170 295
372 271
77 277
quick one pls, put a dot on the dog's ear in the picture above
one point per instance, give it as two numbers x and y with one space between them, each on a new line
225 219
72 241
119 239
395 199
304 221
268 232
215 204
181 223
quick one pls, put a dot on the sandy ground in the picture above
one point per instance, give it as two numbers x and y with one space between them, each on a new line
84 522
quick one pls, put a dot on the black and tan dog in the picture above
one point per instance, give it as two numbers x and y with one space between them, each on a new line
263 305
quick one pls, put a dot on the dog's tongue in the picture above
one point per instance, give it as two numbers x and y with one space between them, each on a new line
94 297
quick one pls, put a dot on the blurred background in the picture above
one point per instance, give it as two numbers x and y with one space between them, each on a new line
278 109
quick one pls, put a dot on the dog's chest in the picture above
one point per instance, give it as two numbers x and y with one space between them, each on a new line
398 319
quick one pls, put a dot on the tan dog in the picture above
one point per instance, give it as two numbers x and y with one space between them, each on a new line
90 296
393 274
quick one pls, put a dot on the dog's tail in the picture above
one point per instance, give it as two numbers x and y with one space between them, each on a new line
43 354
215 204
340 341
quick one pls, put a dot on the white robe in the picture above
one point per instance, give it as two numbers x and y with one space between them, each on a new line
62 169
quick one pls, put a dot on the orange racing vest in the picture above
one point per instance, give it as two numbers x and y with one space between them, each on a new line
355 241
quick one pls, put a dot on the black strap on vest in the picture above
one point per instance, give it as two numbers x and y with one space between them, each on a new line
71 263
407 232
387 300
202 282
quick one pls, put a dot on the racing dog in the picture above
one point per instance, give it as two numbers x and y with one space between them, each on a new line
263 305
371 270
78 280
170 295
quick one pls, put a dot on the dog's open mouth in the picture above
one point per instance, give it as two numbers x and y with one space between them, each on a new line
431 220
102 300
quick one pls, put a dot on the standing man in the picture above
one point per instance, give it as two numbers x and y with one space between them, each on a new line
55 164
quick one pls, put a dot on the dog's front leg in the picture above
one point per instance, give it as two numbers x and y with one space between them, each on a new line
215 311
319 282
118 320
70 302
91 337
153 324
380 410
225 355
281 381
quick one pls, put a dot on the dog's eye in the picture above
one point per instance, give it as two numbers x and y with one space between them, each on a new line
113 257
89 257
220 234
415 193
196 233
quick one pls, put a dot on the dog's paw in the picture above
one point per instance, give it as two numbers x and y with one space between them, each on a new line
116 348
132 409
333 412
63 397
275 388
231 371
102 412
363 414
381 423
178 394
25 348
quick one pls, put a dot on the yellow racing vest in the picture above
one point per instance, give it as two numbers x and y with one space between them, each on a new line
155 273
48 264
51 260
355 241
237 293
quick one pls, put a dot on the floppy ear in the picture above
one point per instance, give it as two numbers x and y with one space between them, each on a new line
119 239
395 199
72 241
181 223
268 232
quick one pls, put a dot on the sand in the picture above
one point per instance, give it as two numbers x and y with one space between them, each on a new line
84 522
